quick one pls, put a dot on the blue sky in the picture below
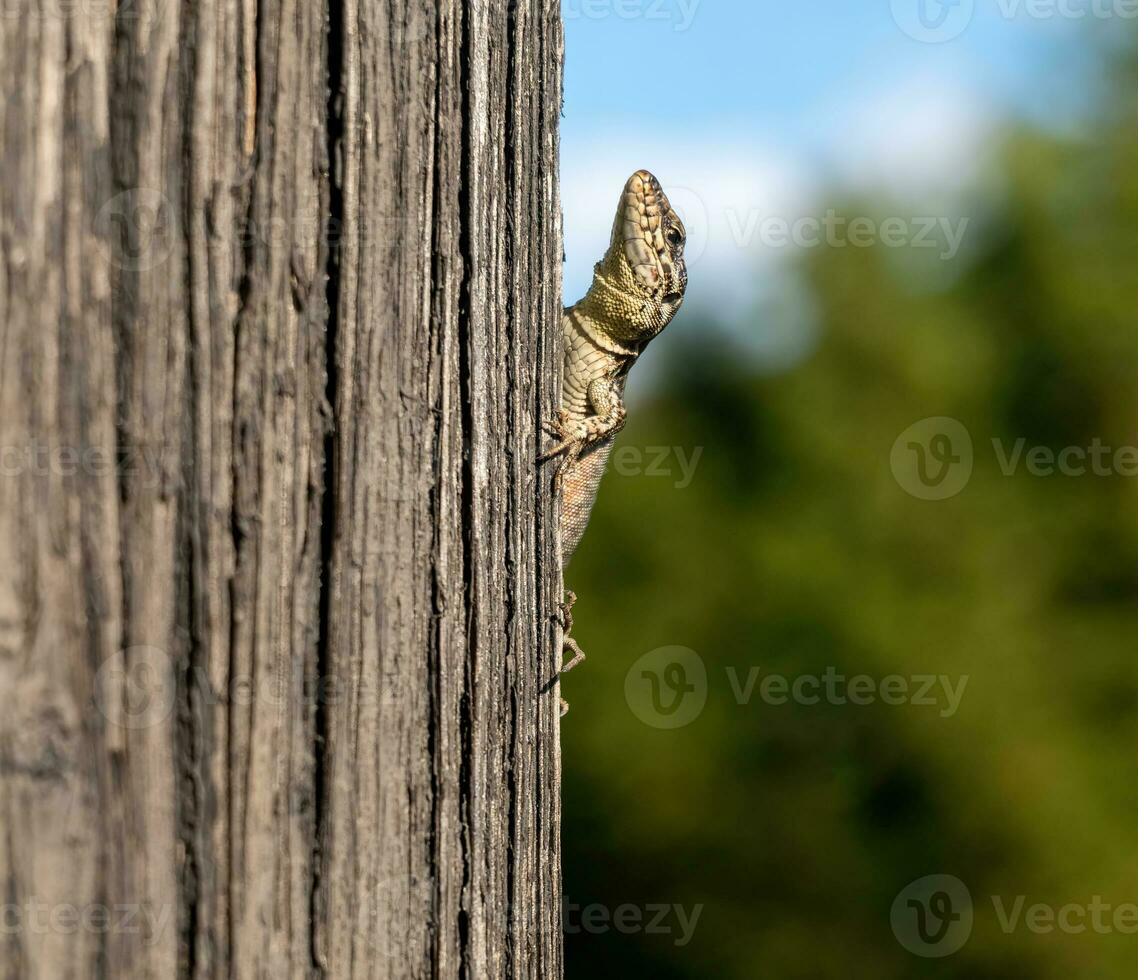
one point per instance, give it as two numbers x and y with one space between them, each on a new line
764 107
776 62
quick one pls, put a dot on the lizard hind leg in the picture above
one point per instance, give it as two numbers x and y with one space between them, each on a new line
578 654
566 608
567 642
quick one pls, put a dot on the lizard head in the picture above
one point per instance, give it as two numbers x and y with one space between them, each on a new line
645 260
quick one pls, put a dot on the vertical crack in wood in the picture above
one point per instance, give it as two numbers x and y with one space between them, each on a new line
436 700
465 339
189 725
515 929
330 252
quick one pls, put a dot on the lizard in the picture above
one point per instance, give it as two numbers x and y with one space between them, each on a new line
637 288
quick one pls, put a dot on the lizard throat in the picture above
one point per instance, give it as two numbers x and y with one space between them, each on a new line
622 321
599 332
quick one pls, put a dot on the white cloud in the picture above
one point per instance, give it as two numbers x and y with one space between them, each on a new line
913 138
920 144
714 182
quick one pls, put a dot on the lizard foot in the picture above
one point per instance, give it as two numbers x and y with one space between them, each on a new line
566 608
570 438
578 654
565 617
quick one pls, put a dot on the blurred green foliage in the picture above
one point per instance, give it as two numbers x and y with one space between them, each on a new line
794 549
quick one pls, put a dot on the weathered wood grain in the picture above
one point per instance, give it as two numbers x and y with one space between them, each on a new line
279 295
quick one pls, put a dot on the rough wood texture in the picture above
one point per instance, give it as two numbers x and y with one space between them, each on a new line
279 300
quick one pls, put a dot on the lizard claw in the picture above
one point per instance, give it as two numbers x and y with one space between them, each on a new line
557 450
578 654
565 615
558 426
566 610
562 431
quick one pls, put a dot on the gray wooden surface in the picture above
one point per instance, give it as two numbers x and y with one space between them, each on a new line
279 304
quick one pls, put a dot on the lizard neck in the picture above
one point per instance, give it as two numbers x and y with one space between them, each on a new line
589 318
614 314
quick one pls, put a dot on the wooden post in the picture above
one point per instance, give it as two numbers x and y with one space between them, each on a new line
279 307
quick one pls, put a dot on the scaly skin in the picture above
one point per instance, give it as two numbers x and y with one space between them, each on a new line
637 288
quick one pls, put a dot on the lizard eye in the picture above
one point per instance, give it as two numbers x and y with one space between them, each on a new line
674 237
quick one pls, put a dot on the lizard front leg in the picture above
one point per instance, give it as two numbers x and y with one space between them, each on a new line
608 418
